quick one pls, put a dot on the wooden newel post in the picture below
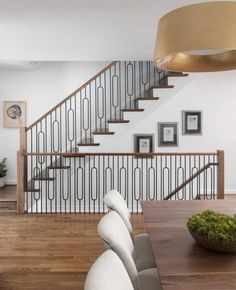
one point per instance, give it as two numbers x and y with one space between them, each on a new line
221 175
21 171
20 182
23 141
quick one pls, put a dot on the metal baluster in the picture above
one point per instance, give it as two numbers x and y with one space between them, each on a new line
135 86
96 106
214 178
119 92
156 176
81 115
105 102
133 187
161 181
176 181
205 179
185 177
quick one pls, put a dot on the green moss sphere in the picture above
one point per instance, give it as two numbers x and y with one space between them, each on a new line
213 226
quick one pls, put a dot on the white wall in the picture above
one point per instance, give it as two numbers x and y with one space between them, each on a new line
212 93
81 30
41 88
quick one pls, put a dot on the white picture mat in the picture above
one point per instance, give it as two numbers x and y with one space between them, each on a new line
144 145
192 122
168 134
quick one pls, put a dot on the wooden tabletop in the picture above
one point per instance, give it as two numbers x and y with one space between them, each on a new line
182 264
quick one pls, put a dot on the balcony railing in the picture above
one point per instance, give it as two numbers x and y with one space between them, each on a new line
75 183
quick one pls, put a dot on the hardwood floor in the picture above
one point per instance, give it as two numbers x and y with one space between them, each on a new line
49 252
230 196
8 199
8 193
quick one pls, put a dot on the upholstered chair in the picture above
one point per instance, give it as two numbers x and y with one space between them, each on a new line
114 201
114 234
108 273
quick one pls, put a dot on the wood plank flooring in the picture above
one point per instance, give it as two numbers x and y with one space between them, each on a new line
49 252
8 193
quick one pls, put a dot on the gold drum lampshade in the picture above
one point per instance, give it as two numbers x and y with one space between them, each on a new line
198 38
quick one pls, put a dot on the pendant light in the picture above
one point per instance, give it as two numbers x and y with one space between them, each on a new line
198 38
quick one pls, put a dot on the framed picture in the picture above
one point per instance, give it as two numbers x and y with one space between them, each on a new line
14 114
167 134
143 143
192 122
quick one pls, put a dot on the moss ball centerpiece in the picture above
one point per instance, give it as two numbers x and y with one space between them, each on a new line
214 231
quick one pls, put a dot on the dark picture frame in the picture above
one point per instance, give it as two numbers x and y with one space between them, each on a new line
192 122
144 143
168 135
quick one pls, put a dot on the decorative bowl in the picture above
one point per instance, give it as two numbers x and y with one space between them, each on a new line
214 231
214 245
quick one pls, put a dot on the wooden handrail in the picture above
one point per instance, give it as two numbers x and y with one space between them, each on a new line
23 139
72 94
205 167
122 154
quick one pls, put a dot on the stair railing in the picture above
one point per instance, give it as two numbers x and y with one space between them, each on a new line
191 179
77 182
85 112
88 110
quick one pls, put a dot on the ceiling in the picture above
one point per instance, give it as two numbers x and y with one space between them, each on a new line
81 29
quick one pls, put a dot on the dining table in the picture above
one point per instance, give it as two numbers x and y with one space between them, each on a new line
182 263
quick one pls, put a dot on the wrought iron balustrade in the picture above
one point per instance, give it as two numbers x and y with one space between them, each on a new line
74 183
53 177
89 109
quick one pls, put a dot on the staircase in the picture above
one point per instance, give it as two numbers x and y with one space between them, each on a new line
121 87
54 151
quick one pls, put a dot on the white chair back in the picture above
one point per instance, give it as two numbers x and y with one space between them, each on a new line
114 233
108 273
114 201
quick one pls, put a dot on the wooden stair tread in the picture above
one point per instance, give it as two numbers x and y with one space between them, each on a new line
177 75
144 155
72 155
132 110
58 167
103 132
117 121
162 87
43 178
31 190
88 144
147 99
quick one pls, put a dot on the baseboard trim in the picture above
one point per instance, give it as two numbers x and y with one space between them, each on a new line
230 191
11 182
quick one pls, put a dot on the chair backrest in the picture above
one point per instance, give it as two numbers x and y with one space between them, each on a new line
108 273
114 233
114 201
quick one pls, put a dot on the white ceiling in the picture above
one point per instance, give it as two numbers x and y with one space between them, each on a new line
81 29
